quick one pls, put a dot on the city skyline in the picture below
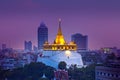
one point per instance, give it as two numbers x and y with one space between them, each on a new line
100 20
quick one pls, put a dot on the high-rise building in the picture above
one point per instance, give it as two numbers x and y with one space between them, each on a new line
80 40
28 46
42 35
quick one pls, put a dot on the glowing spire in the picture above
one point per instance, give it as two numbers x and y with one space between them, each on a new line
59 29
59 38
59 22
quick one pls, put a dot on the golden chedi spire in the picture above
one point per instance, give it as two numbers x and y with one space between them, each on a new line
60 43
59 37
59 29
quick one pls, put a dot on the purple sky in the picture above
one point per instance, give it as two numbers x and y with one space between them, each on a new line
99 19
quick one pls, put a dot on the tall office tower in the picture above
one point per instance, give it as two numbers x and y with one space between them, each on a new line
3 46
42 35
80 40
28 46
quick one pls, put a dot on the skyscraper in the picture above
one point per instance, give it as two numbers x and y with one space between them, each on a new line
28 46
42 35
80 40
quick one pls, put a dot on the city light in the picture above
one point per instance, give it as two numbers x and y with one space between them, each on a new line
68 53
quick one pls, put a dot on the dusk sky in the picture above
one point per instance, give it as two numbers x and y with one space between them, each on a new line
99 19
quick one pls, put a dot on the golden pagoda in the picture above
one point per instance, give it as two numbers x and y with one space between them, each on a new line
59 37
59 42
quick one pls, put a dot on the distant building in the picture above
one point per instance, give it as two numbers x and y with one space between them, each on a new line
29 57
28 46
108 50
80 40
107 72
12 63
118 51
42 35
35 48
8 63
3 46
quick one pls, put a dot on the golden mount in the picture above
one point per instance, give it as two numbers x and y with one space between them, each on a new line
59 42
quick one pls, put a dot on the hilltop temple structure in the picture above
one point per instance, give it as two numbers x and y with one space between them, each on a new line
60 43
59 51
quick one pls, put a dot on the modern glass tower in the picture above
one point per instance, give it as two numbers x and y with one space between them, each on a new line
80 40
42 35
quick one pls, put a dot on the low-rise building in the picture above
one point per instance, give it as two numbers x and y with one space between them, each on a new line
111 72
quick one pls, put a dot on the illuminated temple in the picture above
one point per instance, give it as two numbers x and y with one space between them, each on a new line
59 51
59 42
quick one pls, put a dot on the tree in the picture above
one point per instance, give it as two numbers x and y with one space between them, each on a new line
62 65
49 72
87 73
32 71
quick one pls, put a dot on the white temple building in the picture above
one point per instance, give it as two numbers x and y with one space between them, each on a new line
59 51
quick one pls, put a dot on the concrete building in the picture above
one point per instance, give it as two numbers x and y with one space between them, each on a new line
108 50
111 72
28 46
8 63
42 35
80 40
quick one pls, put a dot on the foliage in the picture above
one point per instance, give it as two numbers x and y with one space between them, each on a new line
87 73
3 73
35 71
32 71
49 72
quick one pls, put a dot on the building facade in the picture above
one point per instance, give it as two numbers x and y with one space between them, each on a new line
28 46
42 35
80 40
107 72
